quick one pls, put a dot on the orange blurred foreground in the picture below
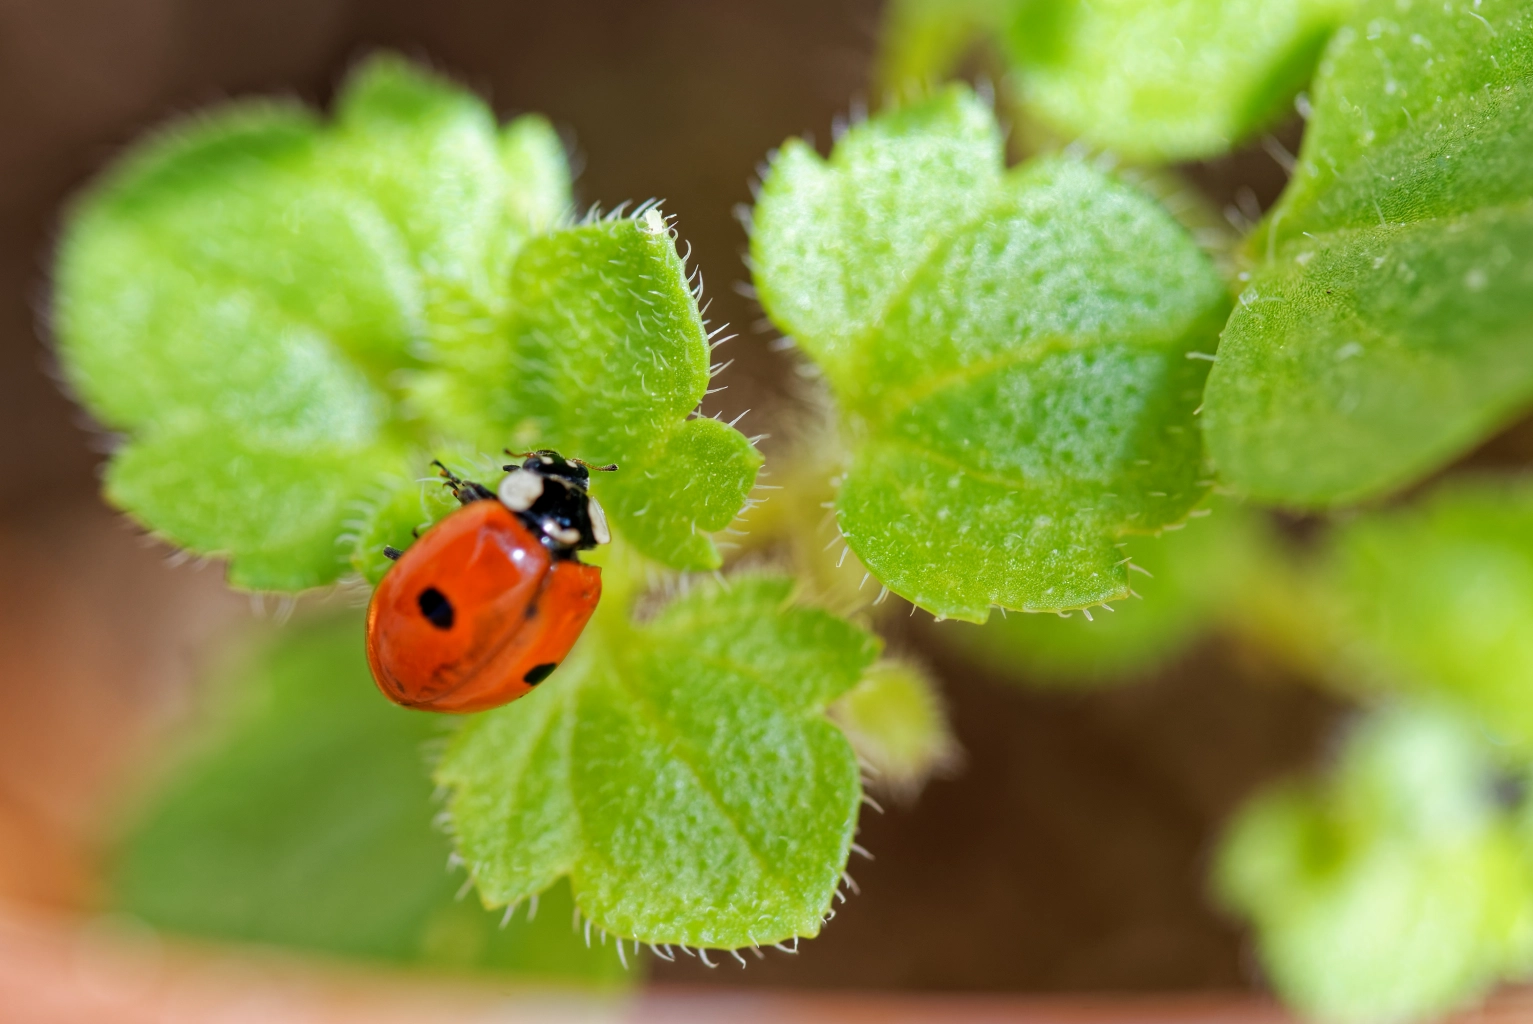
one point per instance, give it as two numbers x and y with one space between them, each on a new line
57 971
54 970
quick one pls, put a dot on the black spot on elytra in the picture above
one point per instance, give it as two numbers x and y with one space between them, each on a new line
435 606
537 673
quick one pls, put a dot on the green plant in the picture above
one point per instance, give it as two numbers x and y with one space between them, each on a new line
1380 330
1032 371
288 319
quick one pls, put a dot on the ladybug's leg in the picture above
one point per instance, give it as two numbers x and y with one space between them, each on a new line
452 478
466 491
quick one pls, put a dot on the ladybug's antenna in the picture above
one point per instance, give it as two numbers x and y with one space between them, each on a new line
596 469
612 468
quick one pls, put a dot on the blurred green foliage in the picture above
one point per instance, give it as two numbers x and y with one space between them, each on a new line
895 721
1398 888
1154 81
304 819
1166 80
1436 599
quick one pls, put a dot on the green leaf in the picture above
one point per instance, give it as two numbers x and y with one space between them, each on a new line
1166 80
1436 600
1190 581
1386 328
680 771
1396 890
1010 351
304 820
289 319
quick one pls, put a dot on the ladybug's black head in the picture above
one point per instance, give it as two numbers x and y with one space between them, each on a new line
550 494
551 463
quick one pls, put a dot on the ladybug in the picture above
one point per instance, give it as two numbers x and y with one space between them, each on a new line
490 600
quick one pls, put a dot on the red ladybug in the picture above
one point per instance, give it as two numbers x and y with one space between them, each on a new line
490 600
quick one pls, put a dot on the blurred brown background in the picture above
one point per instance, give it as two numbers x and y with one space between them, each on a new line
1070 853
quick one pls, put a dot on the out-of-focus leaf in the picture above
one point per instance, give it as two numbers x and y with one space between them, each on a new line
921 40
305 821
1394 891
280 511
1166 80
1437 600
1152 80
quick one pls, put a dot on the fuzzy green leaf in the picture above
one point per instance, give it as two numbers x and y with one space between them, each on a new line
681 772
1397 891
1166 80
288 319
304 820
533 157
1387 326
1437 599
1010 350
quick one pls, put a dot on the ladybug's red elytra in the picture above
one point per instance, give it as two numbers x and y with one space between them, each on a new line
489 601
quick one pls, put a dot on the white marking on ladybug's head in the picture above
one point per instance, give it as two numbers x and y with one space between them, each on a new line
599 529
565 535
519 490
